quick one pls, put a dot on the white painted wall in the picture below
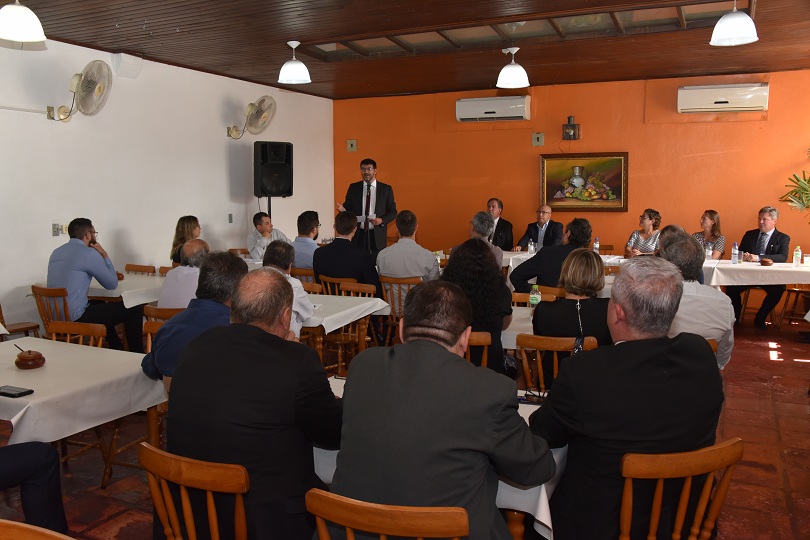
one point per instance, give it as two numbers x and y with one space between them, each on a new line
157 150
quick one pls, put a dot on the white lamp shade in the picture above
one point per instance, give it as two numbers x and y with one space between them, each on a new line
18 23
734 28
513 76
294 72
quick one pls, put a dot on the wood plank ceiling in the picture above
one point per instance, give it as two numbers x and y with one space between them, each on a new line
364 48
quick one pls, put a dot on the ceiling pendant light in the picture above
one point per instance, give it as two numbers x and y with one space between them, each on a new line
18 23
734 28
512 75
294 71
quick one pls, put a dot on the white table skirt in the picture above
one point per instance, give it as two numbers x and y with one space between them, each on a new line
78 388
721 272
333 312
3 329
134 289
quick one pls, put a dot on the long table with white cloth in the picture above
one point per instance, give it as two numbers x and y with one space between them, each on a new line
333 312
531 500
134 290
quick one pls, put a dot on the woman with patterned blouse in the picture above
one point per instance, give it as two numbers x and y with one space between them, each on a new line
645 240
710 222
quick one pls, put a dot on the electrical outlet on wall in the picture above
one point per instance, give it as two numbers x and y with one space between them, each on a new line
56 229
351 145
64 229
538 139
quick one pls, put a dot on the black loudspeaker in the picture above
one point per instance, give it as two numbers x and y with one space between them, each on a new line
272 169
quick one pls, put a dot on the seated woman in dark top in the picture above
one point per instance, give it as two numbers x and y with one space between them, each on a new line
580 313
473 267
188 228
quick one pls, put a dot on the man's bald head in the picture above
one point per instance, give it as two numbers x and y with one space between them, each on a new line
193 251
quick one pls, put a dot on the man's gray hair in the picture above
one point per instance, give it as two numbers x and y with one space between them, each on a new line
193 251
649 290
483 224
773 212
261 297
682 250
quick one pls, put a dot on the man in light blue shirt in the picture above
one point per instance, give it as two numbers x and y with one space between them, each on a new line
73 266
304 244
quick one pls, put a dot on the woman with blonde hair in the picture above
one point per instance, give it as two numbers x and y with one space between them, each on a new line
188 228
710 223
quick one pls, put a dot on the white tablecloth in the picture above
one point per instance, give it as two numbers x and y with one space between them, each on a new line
134 289
721 272
78 388
333 312
3 329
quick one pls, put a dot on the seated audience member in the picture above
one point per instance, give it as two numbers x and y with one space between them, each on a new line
628 397
180 285
547 264
545 232
710 223
703 310
249 394
481 227
757 244
279 256
675 229
35 468
473 268
502 233
308 228
188 228
343 259
644 241
262 234
424 427
220 273
406 258
73 266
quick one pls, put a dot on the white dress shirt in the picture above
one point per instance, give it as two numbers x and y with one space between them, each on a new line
707 312
179 287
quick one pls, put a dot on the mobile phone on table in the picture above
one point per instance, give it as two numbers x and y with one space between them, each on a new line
14 391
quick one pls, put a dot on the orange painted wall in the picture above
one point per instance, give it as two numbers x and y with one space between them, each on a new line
680 165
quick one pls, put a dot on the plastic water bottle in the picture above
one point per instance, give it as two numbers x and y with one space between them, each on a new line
532 246
534 296
438 257
596 245
797 256
735 254
709 251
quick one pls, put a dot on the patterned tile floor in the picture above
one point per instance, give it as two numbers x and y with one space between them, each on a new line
767 405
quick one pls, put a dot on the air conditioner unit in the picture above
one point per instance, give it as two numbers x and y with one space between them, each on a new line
723 98
494 108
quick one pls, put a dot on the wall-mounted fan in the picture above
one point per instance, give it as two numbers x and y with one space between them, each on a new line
90 89
258 116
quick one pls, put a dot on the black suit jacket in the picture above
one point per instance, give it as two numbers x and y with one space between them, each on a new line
385 207
778 247
553 236
546 266
650 396
241 395
343 259
502 236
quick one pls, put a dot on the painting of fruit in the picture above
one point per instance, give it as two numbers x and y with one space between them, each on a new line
589 182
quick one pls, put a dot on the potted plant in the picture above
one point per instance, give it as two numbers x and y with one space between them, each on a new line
798 197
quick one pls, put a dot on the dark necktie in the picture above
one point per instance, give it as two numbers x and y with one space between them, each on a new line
368 204
761 243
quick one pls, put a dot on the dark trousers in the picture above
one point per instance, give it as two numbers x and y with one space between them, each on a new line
366 241
773 293
112 313
34 466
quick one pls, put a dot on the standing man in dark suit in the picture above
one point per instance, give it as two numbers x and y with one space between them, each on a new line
647 393
248 394
545 232
342 258
546 266
502 235
424 427
764 242
372 202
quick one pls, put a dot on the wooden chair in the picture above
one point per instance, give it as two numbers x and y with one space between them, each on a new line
163 270
163 468
311 287
385 520
14 530
706 462
18 328
352 338
542 344
443 262
713 344
143 269
745 309
613 270
51 304
521 299
153 313
240 252
479 339
605 249
332 285
304 275
557 292
794 292
394 292
77 332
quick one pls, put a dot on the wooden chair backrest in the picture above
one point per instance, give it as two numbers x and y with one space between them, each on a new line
395 290
78 332
551 344
605 249
14 530
51 303
2 320
312 287
239 252
385 520
520 299
303 275
332 285
163 270
150 328
357 289
163 468
479 339
686 465
559 292
153 313
713 344
144 269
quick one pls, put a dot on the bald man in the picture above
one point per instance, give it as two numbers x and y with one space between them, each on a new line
544 232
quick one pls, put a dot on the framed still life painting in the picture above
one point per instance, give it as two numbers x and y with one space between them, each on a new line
584 182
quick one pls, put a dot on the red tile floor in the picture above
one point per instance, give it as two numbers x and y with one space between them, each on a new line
767 405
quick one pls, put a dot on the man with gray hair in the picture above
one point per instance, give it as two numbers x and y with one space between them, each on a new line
180 285
646 393
703 310
279 256
481 226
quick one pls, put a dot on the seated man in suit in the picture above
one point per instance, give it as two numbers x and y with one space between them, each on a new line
279 256
424 427
249 394
180 285
547 264
757 244
545 232
647 393
343 259
502 234
481 227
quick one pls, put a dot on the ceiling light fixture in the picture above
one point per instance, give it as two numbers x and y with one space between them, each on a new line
512 75
18 23
734 28
294 71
